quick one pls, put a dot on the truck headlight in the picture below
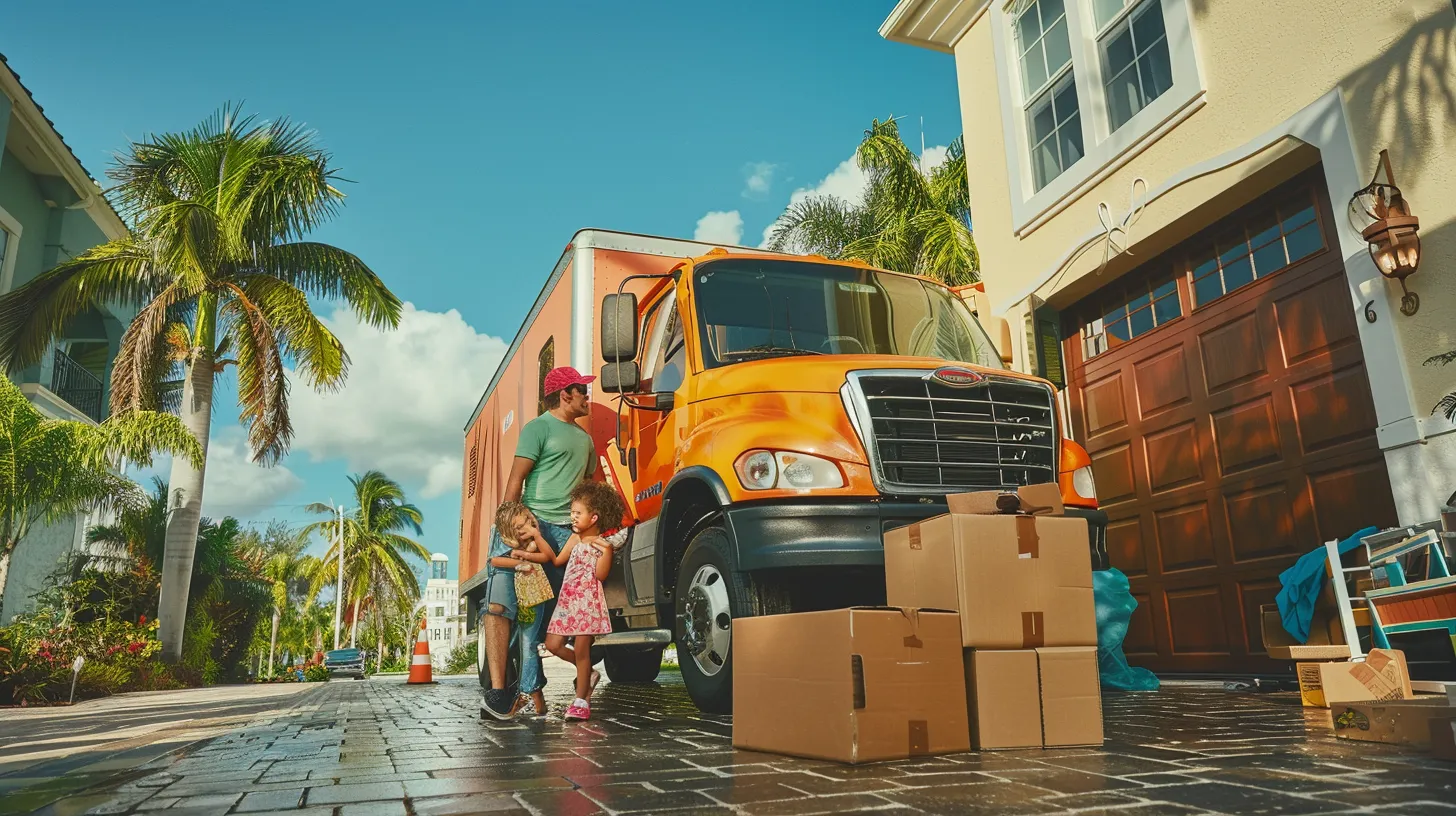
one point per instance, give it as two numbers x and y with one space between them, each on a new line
764 470
1083 483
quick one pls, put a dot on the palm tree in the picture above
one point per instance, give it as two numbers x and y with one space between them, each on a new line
910 221
288 572
375 549
51 468
219 265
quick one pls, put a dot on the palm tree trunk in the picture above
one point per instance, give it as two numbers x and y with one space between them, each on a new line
273 640
186 509
354 626
4 569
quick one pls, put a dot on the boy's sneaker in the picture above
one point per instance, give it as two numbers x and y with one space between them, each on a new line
499 703
578 712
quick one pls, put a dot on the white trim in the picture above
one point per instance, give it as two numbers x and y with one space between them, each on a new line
12 250
583 291
907 13
1324 125
1105 151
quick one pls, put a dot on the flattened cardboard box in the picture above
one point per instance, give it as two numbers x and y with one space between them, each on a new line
1033 698
1019 582
1398 722
1381 676
852 685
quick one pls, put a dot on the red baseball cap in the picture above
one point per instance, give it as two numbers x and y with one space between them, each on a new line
560 379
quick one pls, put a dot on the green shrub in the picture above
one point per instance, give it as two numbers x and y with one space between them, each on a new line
315 674
461 659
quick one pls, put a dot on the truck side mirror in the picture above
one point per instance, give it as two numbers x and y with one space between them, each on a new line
619 330
620 378
1001 336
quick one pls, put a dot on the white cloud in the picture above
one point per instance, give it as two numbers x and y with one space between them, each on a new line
235 485
405 403
847 183
720 228
758 179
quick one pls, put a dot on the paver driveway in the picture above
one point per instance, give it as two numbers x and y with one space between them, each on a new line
382 747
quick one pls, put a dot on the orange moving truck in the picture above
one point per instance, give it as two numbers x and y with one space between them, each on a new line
767 418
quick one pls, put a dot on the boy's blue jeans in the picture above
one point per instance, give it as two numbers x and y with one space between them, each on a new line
532 677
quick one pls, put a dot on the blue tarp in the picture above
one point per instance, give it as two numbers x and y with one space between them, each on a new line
1115 605
1302 584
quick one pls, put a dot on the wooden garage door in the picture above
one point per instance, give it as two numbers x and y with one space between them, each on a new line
1222 394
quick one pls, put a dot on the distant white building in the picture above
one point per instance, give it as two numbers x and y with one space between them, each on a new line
441 604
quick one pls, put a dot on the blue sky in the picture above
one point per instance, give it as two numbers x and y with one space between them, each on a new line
480 136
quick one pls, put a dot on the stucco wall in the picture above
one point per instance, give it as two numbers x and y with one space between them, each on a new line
1395 67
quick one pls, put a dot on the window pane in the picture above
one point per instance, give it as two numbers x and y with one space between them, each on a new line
1066 101
1207 289
1264 228
1027 28
1139 302
1120 53
1231 249
1058 49
1105 10
1042 121
1141 321
1147 24
1239 273
1303 242
1269 259
1050 11
1124 98
1167 309
1169 287
1034 69
1299 218
1071 136
1117 333
1115 315
1204 268
1045 163
1157 71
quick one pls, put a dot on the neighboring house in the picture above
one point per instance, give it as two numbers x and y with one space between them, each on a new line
441 605
51 209
1160 191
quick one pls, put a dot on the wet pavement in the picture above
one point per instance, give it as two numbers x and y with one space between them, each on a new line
381 747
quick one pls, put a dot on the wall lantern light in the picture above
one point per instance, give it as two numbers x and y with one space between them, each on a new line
1384 220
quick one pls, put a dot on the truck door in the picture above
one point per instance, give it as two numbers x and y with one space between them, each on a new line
652 452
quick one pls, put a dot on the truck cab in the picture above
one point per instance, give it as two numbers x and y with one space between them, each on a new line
775 416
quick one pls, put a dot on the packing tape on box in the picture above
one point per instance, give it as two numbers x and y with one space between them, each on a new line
1033 633
856 671
919 738
914 534
913 617
1028 545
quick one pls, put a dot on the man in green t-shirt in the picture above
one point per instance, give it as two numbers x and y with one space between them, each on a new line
553 456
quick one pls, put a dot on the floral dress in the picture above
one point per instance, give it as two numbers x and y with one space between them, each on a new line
581 606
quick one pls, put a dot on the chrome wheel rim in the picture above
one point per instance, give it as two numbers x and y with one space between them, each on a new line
708 620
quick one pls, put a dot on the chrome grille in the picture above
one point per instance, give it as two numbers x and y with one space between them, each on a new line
924 436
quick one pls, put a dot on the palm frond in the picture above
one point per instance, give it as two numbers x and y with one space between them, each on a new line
262 380
328 272
317 354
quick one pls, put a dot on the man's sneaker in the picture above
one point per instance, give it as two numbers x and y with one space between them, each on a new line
500 704
578 712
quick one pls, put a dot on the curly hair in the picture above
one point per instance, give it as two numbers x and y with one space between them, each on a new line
505 518
603 501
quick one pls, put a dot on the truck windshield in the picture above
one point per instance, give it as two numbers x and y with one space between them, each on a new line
751 309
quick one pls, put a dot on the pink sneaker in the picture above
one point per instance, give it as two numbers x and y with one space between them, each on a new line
576 712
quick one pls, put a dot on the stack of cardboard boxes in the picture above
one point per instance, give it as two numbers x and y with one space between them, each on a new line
989 641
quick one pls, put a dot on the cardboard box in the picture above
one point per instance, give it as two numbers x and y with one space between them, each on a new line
852 685
1030 698
1019 581
1381 676
1071 696
1398 722
1003 698
1443 738
1326 638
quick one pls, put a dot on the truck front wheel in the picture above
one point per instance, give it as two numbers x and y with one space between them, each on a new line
711 592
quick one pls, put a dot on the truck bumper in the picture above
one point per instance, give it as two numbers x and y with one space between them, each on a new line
848 534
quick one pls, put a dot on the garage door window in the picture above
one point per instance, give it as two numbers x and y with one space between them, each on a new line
1256 248
1135 311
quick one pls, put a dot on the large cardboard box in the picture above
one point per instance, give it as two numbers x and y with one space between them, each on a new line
1399 722
1443 737
1381 676
1019 581
1030 698
852 685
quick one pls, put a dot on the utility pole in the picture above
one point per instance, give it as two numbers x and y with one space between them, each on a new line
339 592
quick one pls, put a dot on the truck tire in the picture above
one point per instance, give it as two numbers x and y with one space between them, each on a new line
633 664
711 591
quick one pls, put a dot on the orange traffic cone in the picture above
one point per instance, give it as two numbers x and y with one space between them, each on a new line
420 669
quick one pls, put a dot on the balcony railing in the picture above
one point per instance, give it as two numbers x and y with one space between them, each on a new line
73 383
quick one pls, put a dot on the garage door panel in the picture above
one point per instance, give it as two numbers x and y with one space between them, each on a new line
1162 382
1141 639
1232 353
1262 522
1105 405
1185 537
1112 469
1252 595
1173 457
1246 436
1314 321
1348 498
1125 548
1196 618
1333 408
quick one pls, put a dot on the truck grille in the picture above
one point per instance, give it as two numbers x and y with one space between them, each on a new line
924 436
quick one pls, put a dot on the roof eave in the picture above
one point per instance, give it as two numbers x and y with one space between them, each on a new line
936 25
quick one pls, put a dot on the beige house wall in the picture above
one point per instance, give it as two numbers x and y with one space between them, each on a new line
1285 85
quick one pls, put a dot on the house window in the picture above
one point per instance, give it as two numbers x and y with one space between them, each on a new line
1132 312
546 361
1136 66
1255 248
1054 122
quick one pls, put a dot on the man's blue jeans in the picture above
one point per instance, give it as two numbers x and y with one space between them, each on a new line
532 677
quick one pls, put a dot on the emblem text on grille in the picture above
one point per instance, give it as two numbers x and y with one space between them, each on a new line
957 377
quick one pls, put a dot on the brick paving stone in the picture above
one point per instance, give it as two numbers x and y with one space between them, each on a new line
219 802
366 792
560 803
472 803
271 800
